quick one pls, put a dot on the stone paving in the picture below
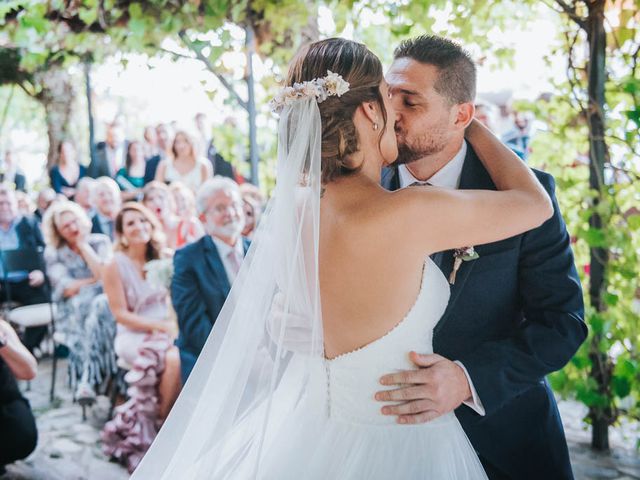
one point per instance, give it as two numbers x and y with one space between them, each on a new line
69 449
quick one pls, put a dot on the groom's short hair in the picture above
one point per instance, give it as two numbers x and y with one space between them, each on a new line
456 70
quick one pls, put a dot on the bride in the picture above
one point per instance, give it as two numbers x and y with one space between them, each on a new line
337 288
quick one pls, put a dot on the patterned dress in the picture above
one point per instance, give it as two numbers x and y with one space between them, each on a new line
84 320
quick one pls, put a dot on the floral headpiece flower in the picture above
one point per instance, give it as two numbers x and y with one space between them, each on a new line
319 88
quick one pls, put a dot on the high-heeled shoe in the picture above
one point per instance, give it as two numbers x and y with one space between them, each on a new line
85 396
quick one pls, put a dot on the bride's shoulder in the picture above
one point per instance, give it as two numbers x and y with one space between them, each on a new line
412 200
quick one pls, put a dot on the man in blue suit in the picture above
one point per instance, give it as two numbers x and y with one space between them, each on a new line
515 313
105 198
199 288
110 155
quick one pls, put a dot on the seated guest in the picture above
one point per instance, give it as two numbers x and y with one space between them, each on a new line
160 150
251 217
253 202
75 259
130 178
253 193
105 198
157 197
189 227
12 174
110 154
45 198
26 207
200 288
150 144
145 334
65 174
19 434
184 165
83 194
24 287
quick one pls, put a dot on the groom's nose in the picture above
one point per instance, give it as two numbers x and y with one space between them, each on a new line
398 123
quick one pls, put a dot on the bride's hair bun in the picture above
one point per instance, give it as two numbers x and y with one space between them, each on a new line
357 65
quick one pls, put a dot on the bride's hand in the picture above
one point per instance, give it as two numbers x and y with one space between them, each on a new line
437 387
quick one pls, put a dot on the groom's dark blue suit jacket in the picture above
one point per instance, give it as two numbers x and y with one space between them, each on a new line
515 315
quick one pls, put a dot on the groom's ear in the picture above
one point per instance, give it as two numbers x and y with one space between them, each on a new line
464 114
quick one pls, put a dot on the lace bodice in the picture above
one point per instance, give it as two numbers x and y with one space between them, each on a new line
352 379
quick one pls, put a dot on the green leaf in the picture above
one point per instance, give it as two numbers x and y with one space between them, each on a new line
597 323
633 221
625 34
626 15
634 116
401 30
610 299
581 362
135 10
595 237
621 386
590 397
137 27
626 368
558 380
631 86
88 15
199 45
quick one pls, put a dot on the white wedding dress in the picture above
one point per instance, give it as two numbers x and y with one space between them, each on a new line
352 439
338 432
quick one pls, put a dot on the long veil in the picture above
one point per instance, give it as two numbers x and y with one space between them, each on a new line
257 362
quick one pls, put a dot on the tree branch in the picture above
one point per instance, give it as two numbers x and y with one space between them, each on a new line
571 69
5 112
31 94
225 83
177 54
570 10
635 61
622 140
633 176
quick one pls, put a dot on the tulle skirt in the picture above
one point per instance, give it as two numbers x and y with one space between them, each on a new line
310 446
322 448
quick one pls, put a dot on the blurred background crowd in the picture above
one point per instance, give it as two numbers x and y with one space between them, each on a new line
121 265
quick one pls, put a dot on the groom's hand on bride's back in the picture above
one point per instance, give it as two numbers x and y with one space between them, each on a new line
437 387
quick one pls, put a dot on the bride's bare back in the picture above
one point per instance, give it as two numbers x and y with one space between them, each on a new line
368 281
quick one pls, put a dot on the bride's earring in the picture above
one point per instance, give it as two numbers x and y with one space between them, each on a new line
375 125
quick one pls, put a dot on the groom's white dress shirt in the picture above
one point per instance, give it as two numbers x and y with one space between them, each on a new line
448 177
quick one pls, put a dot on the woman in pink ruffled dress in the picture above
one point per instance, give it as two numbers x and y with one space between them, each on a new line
144 339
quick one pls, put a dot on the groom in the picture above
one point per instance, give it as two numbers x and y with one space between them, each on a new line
515 313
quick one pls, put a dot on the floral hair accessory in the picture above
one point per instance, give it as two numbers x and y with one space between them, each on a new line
319 88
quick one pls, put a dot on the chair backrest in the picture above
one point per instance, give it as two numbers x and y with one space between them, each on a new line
21 259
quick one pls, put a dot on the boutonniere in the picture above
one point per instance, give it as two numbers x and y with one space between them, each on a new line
464 254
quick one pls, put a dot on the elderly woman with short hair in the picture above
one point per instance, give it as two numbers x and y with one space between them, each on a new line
75 259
